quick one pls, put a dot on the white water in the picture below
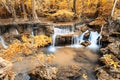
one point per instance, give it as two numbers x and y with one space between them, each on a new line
59 31
17 32
32 31
3 42
76 39
50 49
93 38
82 36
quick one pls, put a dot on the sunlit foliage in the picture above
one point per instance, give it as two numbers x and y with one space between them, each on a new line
109 61
26 47
86 8
62 15
41 41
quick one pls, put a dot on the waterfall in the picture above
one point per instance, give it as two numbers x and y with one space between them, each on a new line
3 42
32 31
61 31
17 32
75 41
58 31
54 39
93 40
82 36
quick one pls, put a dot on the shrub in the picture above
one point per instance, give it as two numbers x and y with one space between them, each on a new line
62 16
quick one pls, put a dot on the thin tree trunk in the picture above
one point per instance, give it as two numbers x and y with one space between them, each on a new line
34 14
12 9
24 11
112 13
14 13
7 8
74 6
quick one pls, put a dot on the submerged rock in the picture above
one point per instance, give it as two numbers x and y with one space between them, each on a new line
43 73
86 43
86 36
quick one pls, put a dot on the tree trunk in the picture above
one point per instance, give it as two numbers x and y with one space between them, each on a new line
14 13
115 3
74 6
24 11
34 14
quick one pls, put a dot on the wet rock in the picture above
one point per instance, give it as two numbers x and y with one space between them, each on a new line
49 30
5 68
20 29
69 73
43 73
115 73
105 36
104 50
86 43
111 39
86 36
115 48
103 75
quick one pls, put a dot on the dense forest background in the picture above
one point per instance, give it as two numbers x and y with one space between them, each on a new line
56 10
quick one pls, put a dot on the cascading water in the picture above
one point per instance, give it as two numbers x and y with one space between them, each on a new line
93 40
76 39
58 31
61 31
32 31
17 32
82 36
3 42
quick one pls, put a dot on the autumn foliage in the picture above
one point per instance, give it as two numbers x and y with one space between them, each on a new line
56 8
25 47
108 59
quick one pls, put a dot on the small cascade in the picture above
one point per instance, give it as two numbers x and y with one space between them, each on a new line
61 31
17 32
32 31
77 40
82 36
3 42
58 31
54 39
13 31
93 38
